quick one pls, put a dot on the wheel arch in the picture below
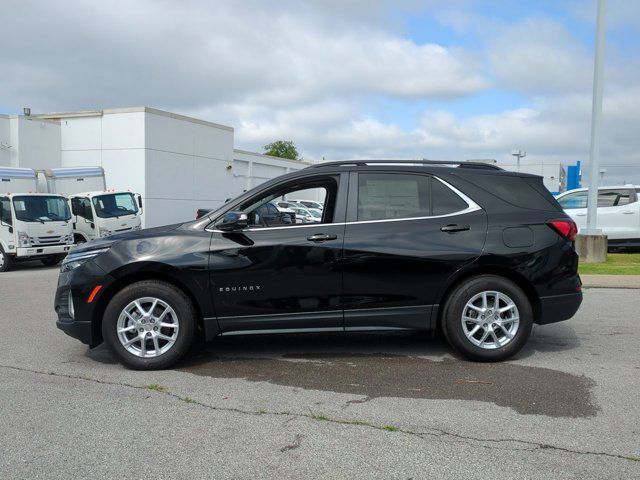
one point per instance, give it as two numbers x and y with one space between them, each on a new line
521 281
80 234
125 280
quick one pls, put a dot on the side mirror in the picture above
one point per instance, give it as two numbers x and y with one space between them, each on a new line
233 221
140 201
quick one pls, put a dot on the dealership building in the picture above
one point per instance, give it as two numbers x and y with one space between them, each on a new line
177 163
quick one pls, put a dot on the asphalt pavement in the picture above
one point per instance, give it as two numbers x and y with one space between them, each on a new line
320 406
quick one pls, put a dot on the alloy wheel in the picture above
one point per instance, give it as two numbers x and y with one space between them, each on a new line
148 327
490 320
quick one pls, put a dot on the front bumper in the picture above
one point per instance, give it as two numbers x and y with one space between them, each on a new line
38 251
81 282
557 308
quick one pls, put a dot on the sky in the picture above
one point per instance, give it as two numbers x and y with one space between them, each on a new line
454 79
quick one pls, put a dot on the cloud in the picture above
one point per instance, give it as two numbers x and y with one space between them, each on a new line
196 54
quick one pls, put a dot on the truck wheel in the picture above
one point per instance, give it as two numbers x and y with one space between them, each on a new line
149 325
487 318
5 261
79 239
52 260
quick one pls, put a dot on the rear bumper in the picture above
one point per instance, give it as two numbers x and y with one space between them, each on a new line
38 251
557 308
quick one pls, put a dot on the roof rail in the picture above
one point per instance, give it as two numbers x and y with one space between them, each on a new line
424 161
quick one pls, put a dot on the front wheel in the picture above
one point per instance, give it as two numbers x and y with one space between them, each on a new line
149 325
487 318
5 261
52 260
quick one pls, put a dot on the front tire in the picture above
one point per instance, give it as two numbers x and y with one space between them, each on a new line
52 260
5 261
487 318
149 325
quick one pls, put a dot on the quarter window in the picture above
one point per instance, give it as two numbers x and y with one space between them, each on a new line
444 200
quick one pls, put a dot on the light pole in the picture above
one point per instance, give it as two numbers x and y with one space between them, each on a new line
596 121
519 154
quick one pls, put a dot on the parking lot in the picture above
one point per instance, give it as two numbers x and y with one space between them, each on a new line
330 406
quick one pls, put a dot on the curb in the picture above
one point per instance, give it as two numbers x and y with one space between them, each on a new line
611 281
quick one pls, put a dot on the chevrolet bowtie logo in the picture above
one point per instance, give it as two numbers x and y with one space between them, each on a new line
50 231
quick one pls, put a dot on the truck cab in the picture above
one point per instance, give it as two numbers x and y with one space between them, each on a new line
34 226
104 213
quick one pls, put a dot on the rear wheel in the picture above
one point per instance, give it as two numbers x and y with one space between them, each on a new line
52 260
5 261
149 325
487 318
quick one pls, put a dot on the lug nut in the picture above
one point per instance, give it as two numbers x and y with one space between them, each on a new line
155 329
141 330
148 334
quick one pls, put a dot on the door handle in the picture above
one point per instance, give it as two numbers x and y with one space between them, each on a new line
455 228
628 212
321 237
581 214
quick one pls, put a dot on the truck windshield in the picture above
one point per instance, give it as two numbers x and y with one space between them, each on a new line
41 208
115 205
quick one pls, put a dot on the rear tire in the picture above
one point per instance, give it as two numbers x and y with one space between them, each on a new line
52 260
167 328
470 312
5 261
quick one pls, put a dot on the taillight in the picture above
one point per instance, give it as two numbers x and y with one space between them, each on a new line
198 215
566 227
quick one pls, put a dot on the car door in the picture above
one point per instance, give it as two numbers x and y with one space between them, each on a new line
406 234
282 276
618 213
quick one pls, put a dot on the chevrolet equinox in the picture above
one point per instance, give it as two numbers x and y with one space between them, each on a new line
468 248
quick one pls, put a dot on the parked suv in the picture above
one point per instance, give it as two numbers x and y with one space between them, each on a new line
476 251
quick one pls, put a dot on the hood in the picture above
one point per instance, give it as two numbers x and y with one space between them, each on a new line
136 234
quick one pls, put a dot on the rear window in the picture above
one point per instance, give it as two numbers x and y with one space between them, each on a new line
524 192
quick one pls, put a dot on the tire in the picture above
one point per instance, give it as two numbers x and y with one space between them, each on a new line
179 311
6 261
498 345
79 239
52 260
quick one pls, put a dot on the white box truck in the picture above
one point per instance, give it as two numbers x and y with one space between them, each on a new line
32 225
97 212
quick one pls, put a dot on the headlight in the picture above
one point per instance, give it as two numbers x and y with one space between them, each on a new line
104 232
75 259
70 239
23 239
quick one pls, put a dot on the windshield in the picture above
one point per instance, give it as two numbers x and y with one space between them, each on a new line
115 205
40 208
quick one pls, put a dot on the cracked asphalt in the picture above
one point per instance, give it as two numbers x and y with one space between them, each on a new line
320 406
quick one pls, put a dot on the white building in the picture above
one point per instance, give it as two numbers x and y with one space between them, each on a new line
177 163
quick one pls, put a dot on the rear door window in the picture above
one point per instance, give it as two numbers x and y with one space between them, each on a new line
614 198
392 196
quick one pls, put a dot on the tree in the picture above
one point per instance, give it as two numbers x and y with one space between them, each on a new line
282 149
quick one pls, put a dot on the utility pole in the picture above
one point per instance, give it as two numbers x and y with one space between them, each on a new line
519 154
596 122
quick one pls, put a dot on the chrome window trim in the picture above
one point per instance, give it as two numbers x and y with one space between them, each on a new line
471 207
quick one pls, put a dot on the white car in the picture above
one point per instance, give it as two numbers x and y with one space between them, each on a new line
618 212
309 204
305 215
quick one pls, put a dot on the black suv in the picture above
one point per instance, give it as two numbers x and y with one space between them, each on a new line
476 251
